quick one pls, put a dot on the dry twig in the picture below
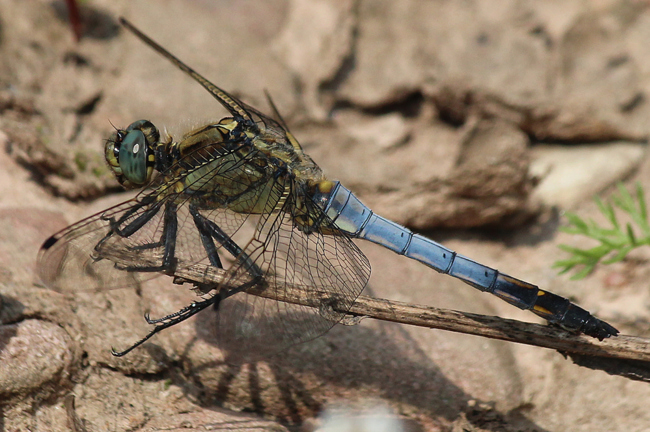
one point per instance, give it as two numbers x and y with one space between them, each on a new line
622 348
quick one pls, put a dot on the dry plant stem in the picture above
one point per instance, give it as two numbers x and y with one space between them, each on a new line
621 347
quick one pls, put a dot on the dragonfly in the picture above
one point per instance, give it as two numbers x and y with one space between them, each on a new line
200 190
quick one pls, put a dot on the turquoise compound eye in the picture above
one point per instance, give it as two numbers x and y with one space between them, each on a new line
129 153
133 157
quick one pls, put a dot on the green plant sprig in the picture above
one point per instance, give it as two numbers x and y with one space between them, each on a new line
615 242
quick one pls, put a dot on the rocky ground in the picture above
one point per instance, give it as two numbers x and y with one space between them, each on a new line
474 122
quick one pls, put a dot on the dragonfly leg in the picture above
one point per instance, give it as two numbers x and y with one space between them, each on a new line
167 240
138 222
164 237
170 320
172 316
185 313
210 230
206 239
132 227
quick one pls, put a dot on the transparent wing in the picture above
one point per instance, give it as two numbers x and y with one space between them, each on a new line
67 261
128 243
189 221
327 268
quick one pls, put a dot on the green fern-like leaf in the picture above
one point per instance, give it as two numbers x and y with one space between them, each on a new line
615 242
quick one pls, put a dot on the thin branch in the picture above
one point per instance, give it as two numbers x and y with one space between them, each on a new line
619 347
622 347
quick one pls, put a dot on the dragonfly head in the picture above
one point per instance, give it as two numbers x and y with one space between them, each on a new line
130 153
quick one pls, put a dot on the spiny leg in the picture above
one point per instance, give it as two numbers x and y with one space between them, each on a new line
185 313
132 227
171 320
138 222
167 239
206 239
210 230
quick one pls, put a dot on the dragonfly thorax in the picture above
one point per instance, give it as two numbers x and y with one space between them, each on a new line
130 153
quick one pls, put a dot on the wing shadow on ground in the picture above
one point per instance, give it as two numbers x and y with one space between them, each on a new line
381 360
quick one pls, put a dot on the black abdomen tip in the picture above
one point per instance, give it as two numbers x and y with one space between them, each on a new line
599 329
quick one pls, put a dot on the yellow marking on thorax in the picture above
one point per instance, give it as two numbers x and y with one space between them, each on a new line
325 186
283 198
